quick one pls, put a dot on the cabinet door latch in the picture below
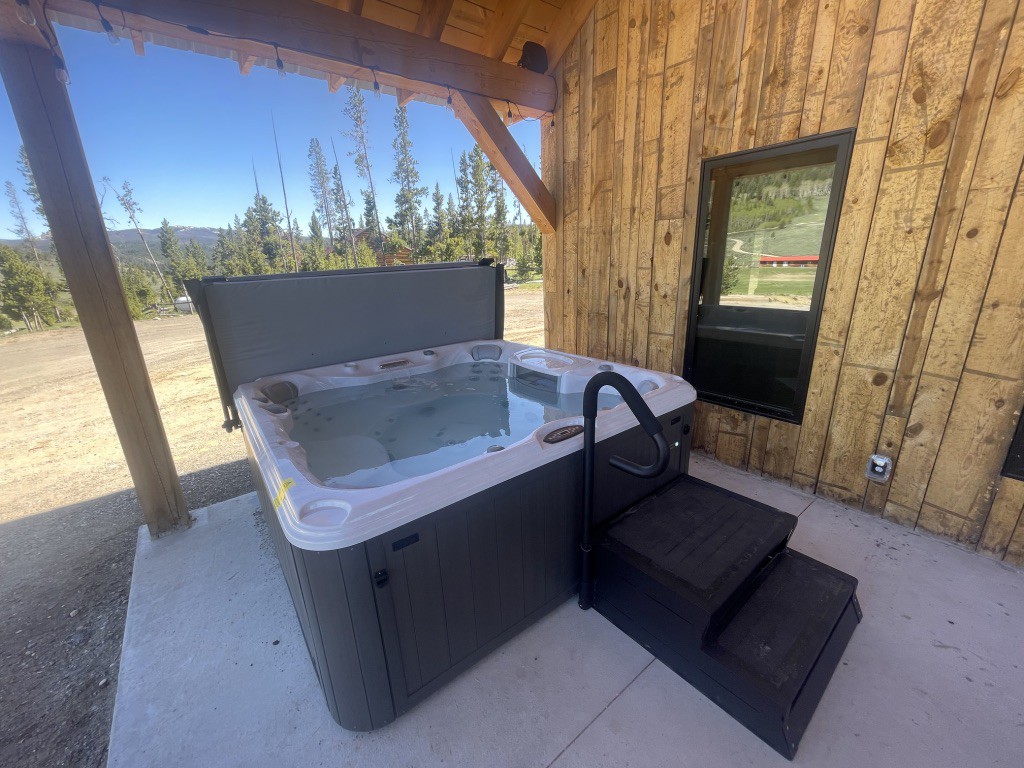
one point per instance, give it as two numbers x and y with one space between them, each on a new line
380 578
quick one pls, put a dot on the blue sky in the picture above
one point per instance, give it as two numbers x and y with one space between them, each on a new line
185 128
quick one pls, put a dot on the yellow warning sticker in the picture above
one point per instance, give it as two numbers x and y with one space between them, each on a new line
285 485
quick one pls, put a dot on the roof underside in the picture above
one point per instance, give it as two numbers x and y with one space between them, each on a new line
496 29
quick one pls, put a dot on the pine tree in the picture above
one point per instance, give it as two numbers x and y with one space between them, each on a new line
191 265
343 208
406 221
264 233
21 228
371 219
138 292
224 249
126 197
355 110
315 257
320 186
480 202
462 222
500 236
30 188
25 290
170 246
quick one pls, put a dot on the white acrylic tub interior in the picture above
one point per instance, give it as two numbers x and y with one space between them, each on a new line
392 485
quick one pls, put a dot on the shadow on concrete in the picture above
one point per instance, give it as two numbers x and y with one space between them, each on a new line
64 581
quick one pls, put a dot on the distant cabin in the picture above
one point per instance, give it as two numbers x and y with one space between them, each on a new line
789 261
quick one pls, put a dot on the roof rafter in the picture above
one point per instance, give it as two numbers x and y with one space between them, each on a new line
502 27
433 18
245 63
138 43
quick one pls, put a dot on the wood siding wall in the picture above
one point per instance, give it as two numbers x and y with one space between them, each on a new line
920 354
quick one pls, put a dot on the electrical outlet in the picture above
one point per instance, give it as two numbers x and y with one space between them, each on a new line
879 468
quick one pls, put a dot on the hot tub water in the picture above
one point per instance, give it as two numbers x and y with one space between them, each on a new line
374 434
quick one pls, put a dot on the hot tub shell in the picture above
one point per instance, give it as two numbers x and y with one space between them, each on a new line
399 589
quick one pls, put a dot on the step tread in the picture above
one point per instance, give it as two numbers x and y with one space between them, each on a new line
777 635
701 541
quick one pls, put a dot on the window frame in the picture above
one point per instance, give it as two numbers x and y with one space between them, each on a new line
842 141
1013 464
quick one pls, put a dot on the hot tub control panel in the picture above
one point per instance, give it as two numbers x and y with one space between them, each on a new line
563 433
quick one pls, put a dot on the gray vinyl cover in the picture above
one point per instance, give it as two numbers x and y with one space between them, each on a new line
259 326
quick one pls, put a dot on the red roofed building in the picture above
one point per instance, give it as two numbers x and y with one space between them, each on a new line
789 261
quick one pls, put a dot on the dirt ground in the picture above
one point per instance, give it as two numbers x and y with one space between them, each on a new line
69 520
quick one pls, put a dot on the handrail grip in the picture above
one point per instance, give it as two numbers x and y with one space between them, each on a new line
650 424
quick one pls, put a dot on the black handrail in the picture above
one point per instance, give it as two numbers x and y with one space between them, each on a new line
651 426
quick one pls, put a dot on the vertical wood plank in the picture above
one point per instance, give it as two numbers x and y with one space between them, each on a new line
758 444
726 53
584 255
848 65
569 236
748 94
1004 517
647 199
702 73
551 245
822 44
780 450
606 42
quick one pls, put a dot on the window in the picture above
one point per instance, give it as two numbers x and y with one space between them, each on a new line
760 264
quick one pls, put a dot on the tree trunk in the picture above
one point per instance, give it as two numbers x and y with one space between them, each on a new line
24 317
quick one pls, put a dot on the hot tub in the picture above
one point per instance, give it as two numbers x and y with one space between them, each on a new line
424 505
352 451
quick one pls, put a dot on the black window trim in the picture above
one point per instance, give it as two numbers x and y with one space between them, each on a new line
843 141
1013 465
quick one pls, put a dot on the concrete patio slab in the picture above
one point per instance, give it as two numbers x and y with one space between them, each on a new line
760 489
215 672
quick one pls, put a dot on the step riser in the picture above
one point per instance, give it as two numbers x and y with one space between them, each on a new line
697 625
781 730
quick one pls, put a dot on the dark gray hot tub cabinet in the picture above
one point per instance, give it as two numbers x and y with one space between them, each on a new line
389 621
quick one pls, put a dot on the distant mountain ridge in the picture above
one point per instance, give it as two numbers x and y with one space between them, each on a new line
205 236
127 246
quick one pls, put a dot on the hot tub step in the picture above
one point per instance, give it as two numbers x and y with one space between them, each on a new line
770 665
695 548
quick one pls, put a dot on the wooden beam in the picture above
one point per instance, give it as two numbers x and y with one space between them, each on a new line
404 97
47 125
11 28
564 29
334 82
433 18
501 148
502 27
138 43
312 31
245 63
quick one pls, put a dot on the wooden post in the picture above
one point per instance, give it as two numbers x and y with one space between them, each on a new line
47 126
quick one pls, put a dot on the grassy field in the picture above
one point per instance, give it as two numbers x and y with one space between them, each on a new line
781 281
802 237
